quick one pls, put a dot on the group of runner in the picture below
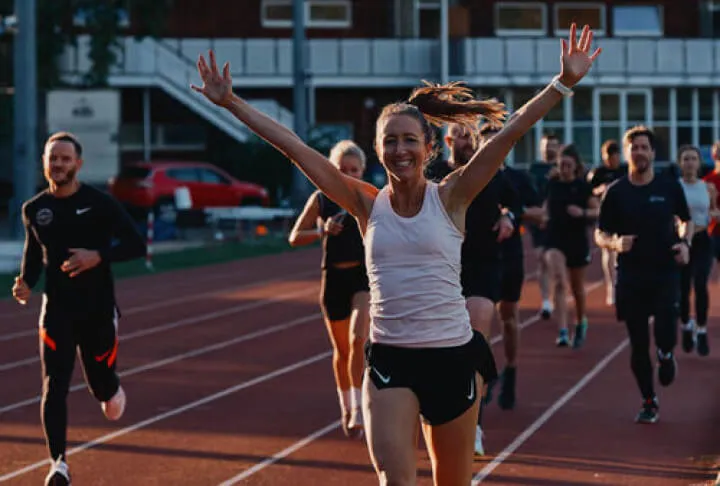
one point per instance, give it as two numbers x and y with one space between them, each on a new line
412 273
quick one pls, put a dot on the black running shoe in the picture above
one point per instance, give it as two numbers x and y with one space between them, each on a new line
506 398
703 347
667 369
649 413
688 339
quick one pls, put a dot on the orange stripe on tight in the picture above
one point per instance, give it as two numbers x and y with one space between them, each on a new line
47 339
113 354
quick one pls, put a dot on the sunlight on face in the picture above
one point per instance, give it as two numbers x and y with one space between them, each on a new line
567 167
640 154
351 165
60 162
401 147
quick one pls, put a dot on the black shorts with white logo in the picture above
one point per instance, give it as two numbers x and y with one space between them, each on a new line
442 379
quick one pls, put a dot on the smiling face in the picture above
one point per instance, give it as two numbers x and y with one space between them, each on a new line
402 147
60 163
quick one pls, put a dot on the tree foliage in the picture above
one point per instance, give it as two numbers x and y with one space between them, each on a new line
56 30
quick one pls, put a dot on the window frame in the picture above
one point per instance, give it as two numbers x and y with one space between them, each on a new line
504 32
639 33
565 31
309 22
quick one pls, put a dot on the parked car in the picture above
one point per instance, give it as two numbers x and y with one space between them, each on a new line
145 185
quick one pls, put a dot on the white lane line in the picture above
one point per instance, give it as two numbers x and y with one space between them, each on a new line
547 415
175 411
282 454
325 430
180 323
180 357
162 303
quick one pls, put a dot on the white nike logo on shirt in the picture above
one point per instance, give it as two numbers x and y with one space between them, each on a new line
82 211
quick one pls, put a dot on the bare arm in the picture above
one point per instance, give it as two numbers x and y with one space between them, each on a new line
351 194
605 240
593 209
306 229
474 176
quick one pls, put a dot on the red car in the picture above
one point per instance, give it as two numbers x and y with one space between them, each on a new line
153 185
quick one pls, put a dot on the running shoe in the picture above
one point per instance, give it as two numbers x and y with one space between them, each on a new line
703 346
479 449
667 368
546 310
649 413
59 474
688 336
506 398
563 339
115 407
580 334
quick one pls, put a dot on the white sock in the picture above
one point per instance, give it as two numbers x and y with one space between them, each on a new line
356 398
701 330
546 305
344 398
689 325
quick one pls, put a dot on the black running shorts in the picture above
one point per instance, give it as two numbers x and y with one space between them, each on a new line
481 278
513 277
442 379
337 288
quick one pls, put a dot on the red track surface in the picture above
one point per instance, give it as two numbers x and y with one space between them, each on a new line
246 377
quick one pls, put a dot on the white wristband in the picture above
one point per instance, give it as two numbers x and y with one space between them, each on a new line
561 88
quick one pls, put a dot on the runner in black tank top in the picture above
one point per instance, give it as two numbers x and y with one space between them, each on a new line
570 206
344 294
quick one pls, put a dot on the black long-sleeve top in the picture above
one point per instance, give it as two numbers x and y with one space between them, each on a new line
88 219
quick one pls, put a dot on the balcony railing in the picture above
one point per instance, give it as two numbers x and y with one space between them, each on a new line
403 62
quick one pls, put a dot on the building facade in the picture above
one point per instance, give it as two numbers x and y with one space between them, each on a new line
660 66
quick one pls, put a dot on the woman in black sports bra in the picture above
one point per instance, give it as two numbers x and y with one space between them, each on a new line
344 293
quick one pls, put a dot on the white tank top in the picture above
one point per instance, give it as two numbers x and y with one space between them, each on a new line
413 266
698 201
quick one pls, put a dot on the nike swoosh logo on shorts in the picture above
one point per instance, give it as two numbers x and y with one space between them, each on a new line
471 397
384 379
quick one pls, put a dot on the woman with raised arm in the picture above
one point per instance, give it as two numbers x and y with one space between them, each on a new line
423 357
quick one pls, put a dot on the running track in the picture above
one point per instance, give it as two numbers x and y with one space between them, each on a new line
228 375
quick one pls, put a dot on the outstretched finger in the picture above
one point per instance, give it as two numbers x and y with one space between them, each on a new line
213 63
573 38
588 42
202 66
596 53
226 71
583 36
563 47
196 88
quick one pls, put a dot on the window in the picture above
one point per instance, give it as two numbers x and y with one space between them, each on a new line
520 18
82 15
209 176
641 20
713 7
184 175
318 13
592 14
428 18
